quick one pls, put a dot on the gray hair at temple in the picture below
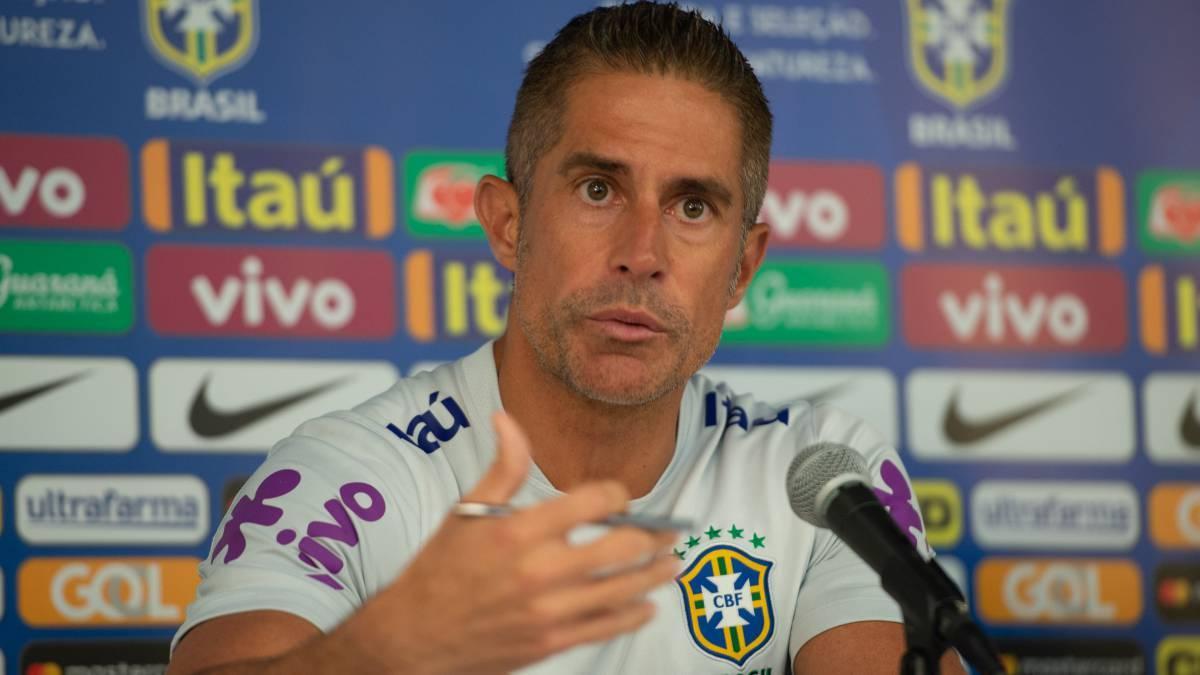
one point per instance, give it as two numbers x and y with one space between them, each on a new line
649 38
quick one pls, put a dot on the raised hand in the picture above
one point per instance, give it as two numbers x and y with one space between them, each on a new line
490 595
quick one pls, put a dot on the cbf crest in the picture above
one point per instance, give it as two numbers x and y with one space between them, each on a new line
958 49
201 39
727 603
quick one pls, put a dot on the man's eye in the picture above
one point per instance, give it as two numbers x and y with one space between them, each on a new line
693 209
596 190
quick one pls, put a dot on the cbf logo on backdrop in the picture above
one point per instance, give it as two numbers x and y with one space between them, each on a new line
202 40
958 53
728 602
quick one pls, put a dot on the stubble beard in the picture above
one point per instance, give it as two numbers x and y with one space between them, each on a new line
548 331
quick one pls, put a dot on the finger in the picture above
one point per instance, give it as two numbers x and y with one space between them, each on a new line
601 627
510 467
588 503
579 600
621 548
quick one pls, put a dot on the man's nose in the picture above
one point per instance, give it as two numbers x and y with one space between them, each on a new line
639 248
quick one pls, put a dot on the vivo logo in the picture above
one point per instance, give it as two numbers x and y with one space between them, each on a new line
329 302
997 311
271 291
1014 308
60 191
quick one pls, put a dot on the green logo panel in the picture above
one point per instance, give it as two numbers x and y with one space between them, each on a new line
1168 204
52 287
804 303
439 192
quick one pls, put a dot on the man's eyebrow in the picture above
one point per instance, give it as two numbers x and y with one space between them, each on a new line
704 187
588 160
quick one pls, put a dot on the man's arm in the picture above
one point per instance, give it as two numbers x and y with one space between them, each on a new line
862 648
482 595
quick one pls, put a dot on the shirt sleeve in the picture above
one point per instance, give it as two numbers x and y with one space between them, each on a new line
326 520
838 587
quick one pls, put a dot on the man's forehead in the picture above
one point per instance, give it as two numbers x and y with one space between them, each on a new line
614 120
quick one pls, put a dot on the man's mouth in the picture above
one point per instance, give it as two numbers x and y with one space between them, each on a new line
627 324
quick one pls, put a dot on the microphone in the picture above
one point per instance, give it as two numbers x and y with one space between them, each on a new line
828 487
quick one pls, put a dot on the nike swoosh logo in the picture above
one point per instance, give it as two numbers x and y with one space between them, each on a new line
1189 426
208 422
963 431
16 398
822 395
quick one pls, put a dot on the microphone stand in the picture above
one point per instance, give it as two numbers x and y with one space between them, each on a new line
934 609
941 621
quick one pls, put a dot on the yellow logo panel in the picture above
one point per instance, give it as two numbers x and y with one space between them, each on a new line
941 510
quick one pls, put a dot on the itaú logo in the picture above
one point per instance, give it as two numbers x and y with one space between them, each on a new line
106 591
1059 591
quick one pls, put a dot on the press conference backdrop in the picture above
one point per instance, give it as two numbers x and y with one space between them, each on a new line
219 219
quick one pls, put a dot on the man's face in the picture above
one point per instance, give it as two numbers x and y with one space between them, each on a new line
629 241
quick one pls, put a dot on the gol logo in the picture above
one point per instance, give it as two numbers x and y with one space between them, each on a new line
1178 655
1175 515
941 511
1058 591
68 592
63 181
1010 210
256 187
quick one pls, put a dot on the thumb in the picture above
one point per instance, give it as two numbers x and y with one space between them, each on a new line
510 467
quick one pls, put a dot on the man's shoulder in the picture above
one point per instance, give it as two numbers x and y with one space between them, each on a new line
738 415
417 413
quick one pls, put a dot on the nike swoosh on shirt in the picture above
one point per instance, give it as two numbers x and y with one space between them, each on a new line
822 395
1189 426
963 431
16 398
208 422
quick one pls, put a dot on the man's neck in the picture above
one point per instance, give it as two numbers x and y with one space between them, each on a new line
576 439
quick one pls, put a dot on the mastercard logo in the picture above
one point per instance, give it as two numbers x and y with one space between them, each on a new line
44 669
1174 592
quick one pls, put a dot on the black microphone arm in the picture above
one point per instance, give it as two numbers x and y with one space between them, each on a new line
935 611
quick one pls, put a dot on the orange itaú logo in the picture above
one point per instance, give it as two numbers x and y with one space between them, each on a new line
60 592
1058 591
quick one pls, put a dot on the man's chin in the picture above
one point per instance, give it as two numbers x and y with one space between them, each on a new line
620 381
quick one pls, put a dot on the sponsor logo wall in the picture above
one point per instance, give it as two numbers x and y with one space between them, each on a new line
978 246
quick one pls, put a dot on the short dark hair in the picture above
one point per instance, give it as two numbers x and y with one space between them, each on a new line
643 37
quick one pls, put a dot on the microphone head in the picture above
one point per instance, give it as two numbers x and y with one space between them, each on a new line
815 472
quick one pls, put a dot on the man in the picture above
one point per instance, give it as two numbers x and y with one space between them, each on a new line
638 156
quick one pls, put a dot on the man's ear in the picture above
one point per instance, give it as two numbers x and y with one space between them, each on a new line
752 257
498 210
